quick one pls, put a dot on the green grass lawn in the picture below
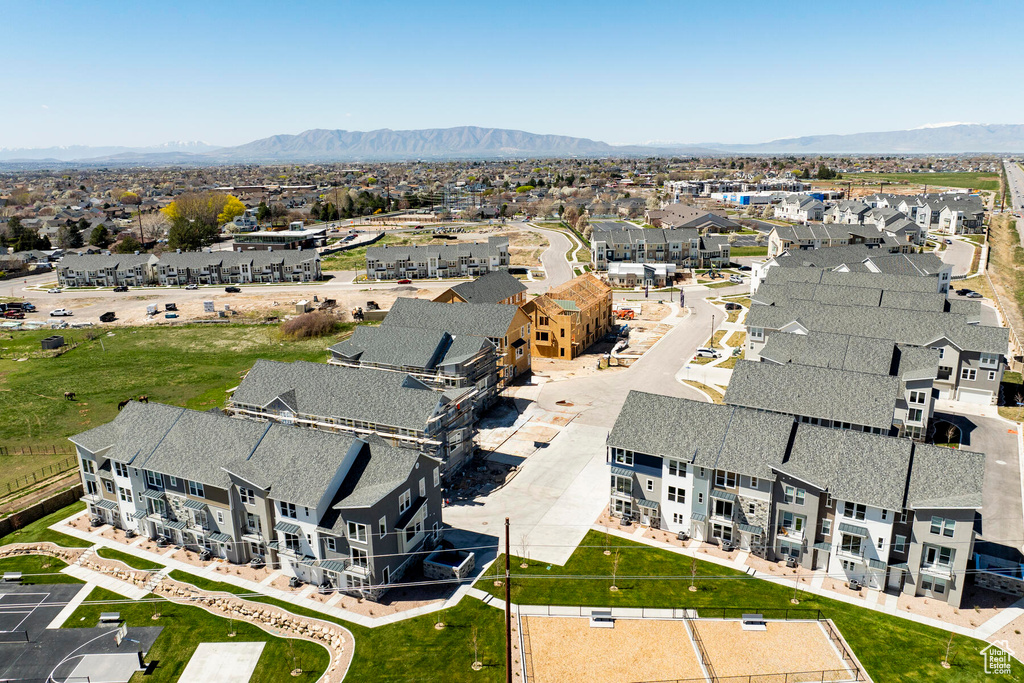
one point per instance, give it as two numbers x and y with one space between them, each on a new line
716 285
890 648
185 627
46 568
355 259
191 366
130 560
975 181
37 531
410 650
748 251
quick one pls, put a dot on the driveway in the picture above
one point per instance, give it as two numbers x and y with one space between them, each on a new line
556 267
1002 514
551 502
959 254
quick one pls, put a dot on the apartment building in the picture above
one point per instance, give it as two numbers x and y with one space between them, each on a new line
674 216
330 509
461 259
800 208
393 406
568 319
883 511
507 327
684 247
784 238
105 270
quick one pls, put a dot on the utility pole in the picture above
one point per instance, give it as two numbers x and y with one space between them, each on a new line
508 609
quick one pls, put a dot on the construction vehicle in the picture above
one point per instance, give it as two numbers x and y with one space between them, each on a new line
372 306
625 314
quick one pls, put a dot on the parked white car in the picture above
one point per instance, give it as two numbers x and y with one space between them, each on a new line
704 352
736 278
192 285
59 312
53 290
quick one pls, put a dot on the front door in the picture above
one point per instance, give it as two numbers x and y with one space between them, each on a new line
895 579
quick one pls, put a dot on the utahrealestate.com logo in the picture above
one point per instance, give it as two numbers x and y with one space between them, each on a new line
997 657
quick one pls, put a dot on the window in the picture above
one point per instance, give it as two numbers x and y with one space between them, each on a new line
288 510
90 487
382 527
196 489
723 508
437 476
404 501
291 542
108 485
795 495
154 480
936 556
903 516
943 527
677 518
942 351
248 496
900 544
125 494
676 495
881 542
622 457
172 481
885 515
917 397
622 484
753 482
826 527
561 332
793 523
852 544
650 484
519 352
220 516
89 466
330 544
700 498
991 375
725 479
120 469
915 415
677 468
385 575
423 486
989 360
855 510
357 532
828 500
969 374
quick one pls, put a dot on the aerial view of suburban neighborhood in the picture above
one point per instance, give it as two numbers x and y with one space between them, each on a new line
418 356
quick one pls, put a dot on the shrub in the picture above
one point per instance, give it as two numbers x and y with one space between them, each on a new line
310 325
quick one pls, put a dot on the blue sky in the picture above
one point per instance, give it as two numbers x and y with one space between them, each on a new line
224 72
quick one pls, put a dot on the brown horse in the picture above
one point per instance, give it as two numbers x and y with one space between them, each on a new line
69 395
143 399
123 403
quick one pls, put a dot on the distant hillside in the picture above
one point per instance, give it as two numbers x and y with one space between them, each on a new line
955 139
461 142
79 152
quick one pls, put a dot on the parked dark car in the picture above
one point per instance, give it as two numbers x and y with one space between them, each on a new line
108 317
171 307
232 290
732 306
13 313
121 288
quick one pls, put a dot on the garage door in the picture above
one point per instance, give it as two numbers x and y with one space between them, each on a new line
977 396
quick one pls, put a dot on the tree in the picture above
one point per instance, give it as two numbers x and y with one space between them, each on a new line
100 236
204 208
232 207
191 235
69 236
129 245
262 212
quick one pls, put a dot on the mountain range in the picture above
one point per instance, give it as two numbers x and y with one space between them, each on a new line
471 142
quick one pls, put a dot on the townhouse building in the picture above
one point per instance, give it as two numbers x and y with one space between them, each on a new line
498 287
434 357
462 259
971 355
784 238
506 326
800 208
570 318
882 511
330 509
684 247
183 268
361 401
953 214
848 212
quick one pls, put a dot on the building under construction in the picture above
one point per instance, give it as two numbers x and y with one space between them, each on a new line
571 317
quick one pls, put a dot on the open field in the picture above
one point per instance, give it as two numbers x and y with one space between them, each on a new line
185 627
192 366
37 531
567 649
975 181
786 647
890 648
748 251
355 259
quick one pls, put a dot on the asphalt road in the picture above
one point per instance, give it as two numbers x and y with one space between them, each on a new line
1015 178
959 254
556 267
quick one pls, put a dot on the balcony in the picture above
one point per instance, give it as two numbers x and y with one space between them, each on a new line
941 571
360 570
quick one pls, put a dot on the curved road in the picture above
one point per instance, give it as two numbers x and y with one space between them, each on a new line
556 266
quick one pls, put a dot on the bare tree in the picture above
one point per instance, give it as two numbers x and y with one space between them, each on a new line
950 433
615 570
949 646
693 574
477 664
526 555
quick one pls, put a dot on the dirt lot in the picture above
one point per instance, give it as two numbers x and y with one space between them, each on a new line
567 650
786 647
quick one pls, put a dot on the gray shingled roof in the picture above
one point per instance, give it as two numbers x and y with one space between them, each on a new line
103 261
899 283
706 434
478 320
843 295
854 466
418 253
398 346
491 288
364 394
919 328
632 236
821 392
145 423
854 354
945 478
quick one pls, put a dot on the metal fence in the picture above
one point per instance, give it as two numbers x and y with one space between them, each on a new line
705 660
825 676
67 464
770 613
